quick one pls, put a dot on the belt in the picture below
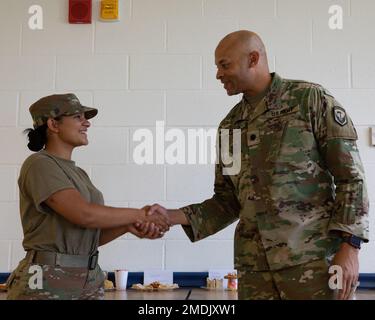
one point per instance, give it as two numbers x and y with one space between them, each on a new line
63 260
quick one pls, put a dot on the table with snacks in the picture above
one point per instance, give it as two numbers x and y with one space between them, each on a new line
165 294
160 291
186 294
177 294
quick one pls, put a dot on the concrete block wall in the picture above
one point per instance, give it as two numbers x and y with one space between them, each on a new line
157 64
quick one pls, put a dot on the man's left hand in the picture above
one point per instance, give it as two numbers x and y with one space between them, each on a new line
347 259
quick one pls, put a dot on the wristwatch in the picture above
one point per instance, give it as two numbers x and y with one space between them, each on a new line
353 240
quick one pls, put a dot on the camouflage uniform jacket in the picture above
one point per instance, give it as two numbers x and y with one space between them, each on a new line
301 179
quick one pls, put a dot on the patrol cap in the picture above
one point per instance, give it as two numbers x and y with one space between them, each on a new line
57 105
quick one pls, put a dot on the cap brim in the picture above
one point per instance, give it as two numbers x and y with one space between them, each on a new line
89 112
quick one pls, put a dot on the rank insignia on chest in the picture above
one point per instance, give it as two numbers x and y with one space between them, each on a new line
340 116
253 138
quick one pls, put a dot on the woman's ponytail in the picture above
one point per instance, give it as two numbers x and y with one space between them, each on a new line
37 138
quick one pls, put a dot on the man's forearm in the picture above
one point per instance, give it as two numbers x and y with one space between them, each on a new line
177 216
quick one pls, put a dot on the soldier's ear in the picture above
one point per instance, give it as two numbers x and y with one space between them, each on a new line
52 125
253 59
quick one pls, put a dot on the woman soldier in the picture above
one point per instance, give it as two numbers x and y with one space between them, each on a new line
63 215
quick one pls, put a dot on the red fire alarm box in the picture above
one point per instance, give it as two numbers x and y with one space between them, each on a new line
80 11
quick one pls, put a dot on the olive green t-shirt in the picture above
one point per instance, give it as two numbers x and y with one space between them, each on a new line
44 229
254 100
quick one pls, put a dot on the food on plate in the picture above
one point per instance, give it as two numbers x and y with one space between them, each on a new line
156 285
108 285
138 286
168 286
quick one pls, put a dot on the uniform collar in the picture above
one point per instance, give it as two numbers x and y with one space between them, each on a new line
269 102
272 98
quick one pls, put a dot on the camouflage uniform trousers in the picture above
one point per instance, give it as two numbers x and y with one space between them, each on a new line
303 282
59 283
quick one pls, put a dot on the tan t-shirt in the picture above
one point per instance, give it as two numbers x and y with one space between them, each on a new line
42 175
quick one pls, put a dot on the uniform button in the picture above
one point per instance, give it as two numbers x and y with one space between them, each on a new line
254 179
253 137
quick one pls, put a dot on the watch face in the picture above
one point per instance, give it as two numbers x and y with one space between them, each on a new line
355 241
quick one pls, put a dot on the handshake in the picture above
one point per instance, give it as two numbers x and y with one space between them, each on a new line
155 220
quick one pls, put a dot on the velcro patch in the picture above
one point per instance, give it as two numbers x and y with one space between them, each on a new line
253 138
339 115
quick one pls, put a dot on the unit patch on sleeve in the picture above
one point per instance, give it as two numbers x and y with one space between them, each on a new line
340 116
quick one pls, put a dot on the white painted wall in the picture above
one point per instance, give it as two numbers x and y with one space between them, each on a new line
157 63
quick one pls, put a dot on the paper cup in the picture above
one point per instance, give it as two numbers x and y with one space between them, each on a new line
121 279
